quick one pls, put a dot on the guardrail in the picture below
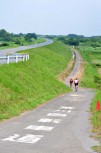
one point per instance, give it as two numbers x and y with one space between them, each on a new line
8 57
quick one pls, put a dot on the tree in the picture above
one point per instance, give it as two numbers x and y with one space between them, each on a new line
5 36
29 36
71 41
61 38
74 36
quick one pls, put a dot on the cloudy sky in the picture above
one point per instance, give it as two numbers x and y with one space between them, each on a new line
54 17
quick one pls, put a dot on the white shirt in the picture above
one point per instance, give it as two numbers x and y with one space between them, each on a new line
76 81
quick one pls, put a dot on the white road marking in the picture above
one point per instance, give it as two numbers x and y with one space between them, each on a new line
57 120
11 138
50 120
60 111
64 107
57 114
74 95
44 128
69 111
28 138
57 110
45 120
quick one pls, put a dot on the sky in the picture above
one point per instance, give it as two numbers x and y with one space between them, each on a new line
51 17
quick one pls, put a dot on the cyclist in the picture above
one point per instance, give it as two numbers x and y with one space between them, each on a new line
71 82
76 82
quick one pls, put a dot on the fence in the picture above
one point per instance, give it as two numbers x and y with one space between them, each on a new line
15 56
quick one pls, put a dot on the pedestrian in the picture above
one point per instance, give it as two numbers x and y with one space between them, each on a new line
76 82
71 82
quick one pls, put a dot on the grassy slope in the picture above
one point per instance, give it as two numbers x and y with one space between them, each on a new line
92 79
27 84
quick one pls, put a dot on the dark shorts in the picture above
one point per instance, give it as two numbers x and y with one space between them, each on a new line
76 84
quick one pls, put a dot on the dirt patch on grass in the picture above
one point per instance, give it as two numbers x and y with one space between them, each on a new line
64 74
99 71
61 77
81 69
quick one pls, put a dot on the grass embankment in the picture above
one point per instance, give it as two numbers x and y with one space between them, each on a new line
25 85
92 79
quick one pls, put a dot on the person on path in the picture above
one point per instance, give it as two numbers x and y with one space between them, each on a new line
71 82
76 82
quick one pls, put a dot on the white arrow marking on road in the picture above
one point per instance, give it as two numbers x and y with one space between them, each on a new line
44 128
28 138
57 114
11 138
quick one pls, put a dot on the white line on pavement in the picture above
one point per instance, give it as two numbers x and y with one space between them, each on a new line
76 95
44 128
64 107
50 120
57 114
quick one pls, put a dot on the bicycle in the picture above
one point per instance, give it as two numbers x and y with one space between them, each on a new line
71 82
76 84
76 88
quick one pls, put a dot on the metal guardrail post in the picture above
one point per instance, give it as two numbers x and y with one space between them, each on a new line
23 58
16 58
7 59
26 57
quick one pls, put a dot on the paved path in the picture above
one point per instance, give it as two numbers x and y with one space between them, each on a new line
76 69
60 126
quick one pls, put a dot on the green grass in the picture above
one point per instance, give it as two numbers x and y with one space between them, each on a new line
97 149
92 79
25 85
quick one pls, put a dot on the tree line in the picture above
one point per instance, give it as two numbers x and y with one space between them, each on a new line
75 40
16 38
70 39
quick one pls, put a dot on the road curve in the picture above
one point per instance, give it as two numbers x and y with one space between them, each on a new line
13 50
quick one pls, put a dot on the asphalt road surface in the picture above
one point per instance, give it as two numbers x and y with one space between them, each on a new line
61 125
14 50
